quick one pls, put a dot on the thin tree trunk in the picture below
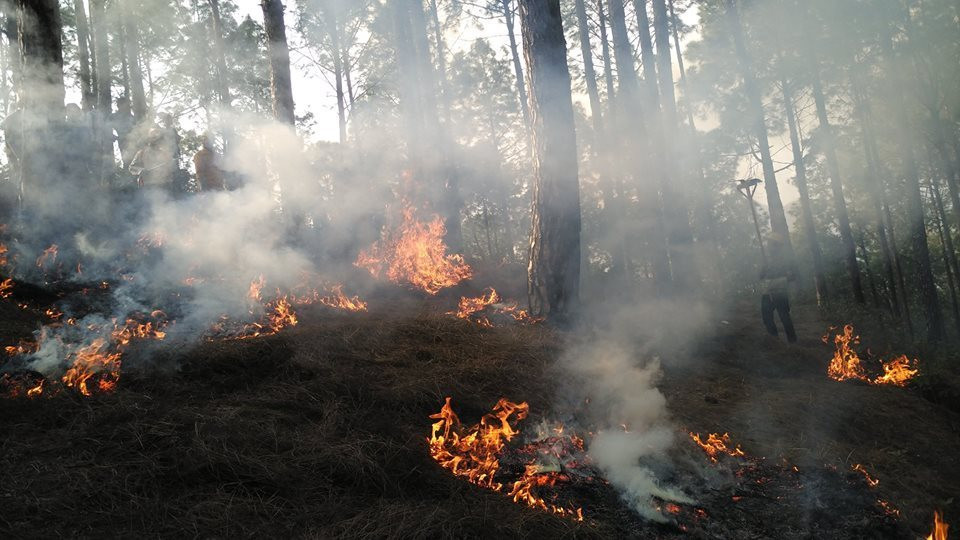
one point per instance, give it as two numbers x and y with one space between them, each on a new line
607 61
679 233
589 73
101 47
866 270
627 102
778 218
87 97
554 268
441 60
138 98
332 24
806 211
836 186
517 68
219 53
917 228
946 247
280 87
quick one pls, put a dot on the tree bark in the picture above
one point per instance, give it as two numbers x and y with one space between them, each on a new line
589 73
280 87
628 102
679 233
87 97
946 247
441 60
554 267
219 54
607 61
101 48
138 97
916 224
517 68
806 212
778 218
836 186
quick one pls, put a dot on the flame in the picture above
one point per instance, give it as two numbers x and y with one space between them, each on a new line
6 288
717 444
871 481
471 309
415 254
3 254
48 255
93 359
338 300
940 528
474 453
253 293
846 363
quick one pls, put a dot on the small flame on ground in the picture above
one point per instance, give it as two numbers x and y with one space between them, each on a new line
871 481
415 254
337 299
846 363
49 255
472 309
940 528
6 288
716 445
474 453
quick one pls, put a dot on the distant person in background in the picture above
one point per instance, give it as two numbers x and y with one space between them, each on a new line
206 161
123 124
157 164
775 276
79 148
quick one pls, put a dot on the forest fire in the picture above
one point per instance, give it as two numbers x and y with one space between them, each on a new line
846 363
337 299
415 254
488 304
717 445
940 528
49 256
474 453
871 481
6 288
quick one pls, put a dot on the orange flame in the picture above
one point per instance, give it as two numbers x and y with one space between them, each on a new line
91 360
940 528
871 481
717 444
48 255
3 254
415 254
474 453
6 288
846 363
470 308
338 300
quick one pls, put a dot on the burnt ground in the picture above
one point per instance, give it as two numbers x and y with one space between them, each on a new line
320 432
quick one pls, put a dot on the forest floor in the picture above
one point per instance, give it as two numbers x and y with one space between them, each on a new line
320 431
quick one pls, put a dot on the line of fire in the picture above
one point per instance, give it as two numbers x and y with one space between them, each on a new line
479 269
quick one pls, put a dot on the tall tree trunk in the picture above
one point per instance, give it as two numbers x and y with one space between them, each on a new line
877 194
83 52
101 48
441 59
806 212
219 54
946 247
507 11
41 92
589 73
607 60
627 102
918 231
778 218
280 88
332 23
554 268
836 186
679 233
866 270
138 97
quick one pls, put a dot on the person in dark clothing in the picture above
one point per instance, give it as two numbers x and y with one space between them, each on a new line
775 276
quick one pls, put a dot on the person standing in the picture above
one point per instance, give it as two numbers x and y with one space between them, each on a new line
775 276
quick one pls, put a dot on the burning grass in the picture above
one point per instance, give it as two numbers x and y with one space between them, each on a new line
490 307
847 365
414 254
